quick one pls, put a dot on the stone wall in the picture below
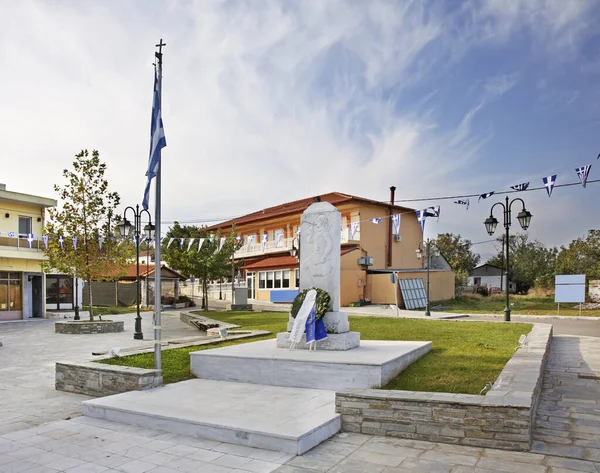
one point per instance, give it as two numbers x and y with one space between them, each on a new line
86 327
96 379
504 418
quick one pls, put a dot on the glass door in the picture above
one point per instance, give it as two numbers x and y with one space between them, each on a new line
250 285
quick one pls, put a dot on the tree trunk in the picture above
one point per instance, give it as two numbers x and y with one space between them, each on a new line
89 282
205 294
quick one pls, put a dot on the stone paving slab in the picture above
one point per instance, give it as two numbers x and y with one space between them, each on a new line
568 415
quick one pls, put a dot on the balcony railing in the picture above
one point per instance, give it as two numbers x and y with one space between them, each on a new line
21 243
257 249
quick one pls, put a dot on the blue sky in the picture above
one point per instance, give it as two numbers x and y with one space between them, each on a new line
269 101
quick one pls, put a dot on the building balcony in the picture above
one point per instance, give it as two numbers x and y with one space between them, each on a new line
285 245
18 247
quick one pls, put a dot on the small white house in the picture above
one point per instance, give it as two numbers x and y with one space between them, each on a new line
491 277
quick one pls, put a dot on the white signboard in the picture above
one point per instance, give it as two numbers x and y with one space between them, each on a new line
570 288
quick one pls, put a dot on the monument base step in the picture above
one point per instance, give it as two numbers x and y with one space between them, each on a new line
372 365
334 341
290 420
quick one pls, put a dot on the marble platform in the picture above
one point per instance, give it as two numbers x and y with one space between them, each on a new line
290 420
334 341
372 365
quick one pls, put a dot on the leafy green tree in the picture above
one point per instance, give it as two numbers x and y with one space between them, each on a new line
207 265
458 253
84 212
582 256
532 264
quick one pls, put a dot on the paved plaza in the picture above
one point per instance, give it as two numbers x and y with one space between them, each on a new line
35 436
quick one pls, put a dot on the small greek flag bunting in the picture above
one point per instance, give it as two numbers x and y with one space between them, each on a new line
211 238
134 240
161 240
375 220
396 224
30 239
45 238
61 241
190 243
279 238
520 187
200 243
486 195
421 216
11 234
265 237
583 173
171 240
100 241
222 242
250 239
354 226
181 242
549 183
434 211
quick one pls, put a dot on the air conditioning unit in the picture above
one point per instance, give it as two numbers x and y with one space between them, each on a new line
366 261
397 238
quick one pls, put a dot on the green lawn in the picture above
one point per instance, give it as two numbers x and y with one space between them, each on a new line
526 305
465 355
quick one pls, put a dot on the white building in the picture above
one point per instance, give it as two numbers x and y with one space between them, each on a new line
491 277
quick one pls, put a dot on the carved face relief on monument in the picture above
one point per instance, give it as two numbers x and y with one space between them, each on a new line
319 262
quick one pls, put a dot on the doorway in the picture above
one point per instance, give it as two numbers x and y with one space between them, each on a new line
37 303
250 285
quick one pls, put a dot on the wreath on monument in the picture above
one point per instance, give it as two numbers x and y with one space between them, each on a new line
323 302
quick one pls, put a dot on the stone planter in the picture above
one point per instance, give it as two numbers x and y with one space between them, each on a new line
181 305
87 327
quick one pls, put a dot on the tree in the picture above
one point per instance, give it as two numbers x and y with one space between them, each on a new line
582 256
458 253
532 264
209 264
81 221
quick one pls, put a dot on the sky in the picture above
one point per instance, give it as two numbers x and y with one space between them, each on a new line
266 102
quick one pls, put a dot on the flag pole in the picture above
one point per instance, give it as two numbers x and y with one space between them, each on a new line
157 249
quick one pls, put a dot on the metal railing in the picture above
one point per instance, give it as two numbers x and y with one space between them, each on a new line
19 242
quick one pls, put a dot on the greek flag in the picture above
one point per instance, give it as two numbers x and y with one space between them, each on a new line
11 234
462 202
265 237
278 238
190 243
200 243
45 238
375 220
520 187
396 224
100 241
181 242
170 242
30 239
549 183
157 140
433 211
61 241
421 216
221 242
485 196
583 173
250 239
354 226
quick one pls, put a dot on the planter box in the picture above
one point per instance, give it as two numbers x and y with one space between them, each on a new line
181 305
87 327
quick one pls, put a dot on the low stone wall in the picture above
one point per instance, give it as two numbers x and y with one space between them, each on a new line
87 327
96 379
504 418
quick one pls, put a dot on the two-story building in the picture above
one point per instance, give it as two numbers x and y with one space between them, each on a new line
370 250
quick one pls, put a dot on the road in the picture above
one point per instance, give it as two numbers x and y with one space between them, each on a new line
562 326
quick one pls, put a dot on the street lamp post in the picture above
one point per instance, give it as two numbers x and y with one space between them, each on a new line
295 251
126 229
427 250
524 218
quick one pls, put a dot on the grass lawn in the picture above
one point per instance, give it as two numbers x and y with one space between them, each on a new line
464 357
526 305
113 310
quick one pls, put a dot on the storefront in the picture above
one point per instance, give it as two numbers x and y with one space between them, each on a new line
11 295
59 292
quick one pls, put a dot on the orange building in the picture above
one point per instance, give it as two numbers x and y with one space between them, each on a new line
369 250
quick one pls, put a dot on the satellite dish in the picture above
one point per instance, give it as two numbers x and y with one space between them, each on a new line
115 351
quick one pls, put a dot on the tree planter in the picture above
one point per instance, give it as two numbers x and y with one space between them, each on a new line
181 305
87 327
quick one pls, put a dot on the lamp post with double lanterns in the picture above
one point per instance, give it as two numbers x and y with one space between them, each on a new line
127 229
295 252
524 218
427 249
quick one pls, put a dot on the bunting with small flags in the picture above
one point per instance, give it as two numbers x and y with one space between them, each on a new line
61 241
354 226
265 237
45 239
549 183
421 216
221 242
200 243
250 239
486 195
278 239
376 220
520 187
583 173
30 239
190 243
171 240
100 241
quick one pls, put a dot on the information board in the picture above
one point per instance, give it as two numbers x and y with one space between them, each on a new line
569 288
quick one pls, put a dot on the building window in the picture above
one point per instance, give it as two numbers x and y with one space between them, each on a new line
269 279
59 291
24 225
297 277
279 279
277 284
286 278
262 280
10 291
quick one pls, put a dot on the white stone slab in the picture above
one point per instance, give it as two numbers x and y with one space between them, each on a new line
372 365
334 341
290 420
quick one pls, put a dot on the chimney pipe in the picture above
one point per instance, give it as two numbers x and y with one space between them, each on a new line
392 194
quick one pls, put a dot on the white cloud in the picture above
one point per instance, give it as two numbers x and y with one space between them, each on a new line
264 102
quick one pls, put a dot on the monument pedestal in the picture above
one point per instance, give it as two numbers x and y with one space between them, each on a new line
334 341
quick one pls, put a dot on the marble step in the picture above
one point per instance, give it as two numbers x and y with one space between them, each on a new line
291 420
